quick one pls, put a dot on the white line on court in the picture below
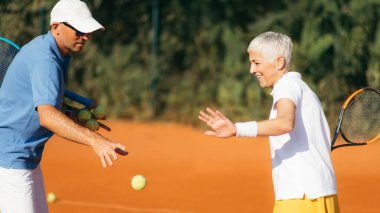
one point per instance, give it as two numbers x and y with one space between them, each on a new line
120 207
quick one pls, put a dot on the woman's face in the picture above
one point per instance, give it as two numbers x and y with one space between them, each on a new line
266 72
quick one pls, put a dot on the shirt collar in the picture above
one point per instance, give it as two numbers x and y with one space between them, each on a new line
290 74
54 47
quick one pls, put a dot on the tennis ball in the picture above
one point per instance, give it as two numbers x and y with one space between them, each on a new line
99 112
51 198
92 124
138 182
84 115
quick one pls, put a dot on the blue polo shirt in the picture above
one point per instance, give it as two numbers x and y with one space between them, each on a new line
35 77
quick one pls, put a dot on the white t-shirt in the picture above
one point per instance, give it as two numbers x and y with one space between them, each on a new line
301 161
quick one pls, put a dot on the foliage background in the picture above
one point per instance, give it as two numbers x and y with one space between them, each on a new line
193 53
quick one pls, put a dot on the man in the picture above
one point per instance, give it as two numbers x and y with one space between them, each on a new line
30 102
302 171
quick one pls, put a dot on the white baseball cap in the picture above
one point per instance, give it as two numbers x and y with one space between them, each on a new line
76 13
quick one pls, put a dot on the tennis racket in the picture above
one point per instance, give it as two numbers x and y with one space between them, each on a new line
359 119
8 51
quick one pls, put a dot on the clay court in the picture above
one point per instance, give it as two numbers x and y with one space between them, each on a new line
189 172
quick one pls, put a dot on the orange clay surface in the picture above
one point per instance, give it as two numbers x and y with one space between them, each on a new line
189 172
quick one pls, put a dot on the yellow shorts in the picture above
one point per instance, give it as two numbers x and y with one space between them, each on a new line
327 204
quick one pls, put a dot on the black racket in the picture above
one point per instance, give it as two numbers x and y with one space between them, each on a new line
8 51
359 119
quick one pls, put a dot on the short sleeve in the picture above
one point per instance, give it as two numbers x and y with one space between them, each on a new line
46 81
287 90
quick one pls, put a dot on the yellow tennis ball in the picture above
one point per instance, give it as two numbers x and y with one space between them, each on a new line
92 124
84 115
99 112
138 182
50 197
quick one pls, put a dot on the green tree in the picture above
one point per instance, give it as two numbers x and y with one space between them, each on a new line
201 52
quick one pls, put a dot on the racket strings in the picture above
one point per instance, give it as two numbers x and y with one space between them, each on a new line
361 119
7 53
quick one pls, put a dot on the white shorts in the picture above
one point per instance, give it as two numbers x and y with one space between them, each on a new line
22 191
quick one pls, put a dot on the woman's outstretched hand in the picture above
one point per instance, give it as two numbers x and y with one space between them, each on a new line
221 126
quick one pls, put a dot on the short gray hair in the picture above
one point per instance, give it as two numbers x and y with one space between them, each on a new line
271 45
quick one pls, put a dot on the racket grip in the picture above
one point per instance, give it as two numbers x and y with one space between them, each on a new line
102 125
80 99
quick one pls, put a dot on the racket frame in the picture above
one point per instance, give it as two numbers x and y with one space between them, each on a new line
340 120
89 103
10 42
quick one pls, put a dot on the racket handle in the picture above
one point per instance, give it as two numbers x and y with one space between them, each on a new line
102 125
80 99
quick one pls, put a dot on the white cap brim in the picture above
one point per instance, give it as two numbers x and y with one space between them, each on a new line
87 25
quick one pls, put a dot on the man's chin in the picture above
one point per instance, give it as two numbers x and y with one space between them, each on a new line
77 50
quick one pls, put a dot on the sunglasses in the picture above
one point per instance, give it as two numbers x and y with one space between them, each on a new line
77 32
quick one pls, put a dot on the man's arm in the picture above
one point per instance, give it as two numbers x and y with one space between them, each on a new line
57 122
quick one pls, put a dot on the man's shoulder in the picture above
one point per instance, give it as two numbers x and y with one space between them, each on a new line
38 50
39 43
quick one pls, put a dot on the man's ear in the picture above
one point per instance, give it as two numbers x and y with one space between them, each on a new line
54 28
54 25
280 63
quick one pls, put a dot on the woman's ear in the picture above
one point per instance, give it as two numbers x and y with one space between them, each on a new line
280 63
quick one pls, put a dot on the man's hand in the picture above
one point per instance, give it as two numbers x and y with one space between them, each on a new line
57 122
107 150
221 126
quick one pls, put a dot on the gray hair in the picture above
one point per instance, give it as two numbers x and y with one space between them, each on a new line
271 45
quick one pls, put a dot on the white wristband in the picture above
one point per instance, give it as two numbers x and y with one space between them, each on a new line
246 129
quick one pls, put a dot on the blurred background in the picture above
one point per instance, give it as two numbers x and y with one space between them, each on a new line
168 59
